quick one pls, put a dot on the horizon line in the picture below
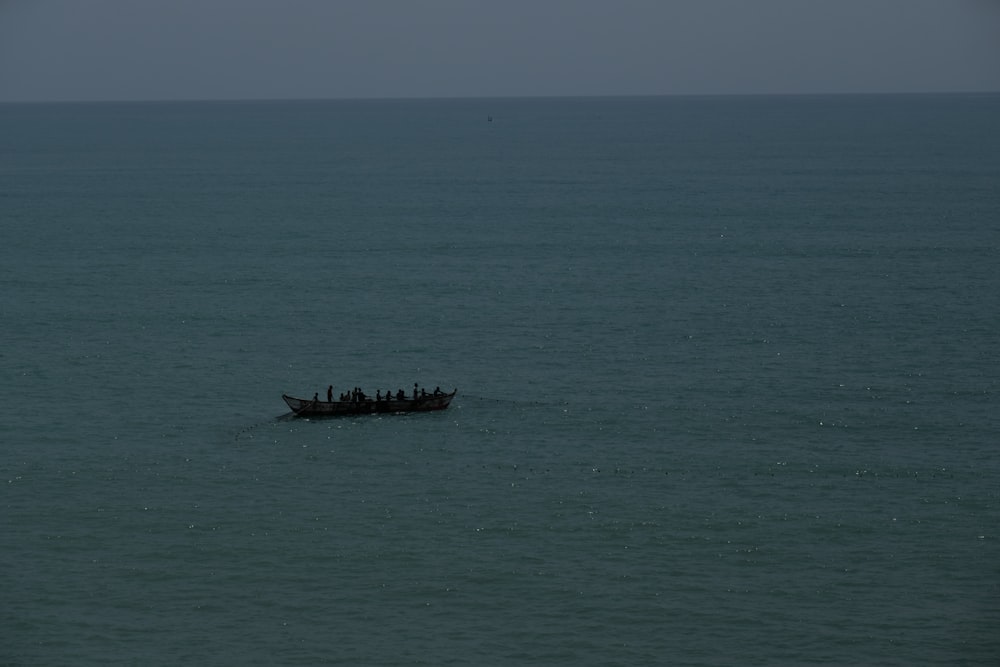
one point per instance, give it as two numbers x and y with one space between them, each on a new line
415 98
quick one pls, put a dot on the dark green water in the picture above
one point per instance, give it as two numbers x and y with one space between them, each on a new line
727 371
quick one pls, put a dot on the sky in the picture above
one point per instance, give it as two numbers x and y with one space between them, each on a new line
89 50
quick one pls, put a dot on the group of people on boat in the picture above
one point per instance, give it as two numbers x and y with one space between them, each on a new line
356 395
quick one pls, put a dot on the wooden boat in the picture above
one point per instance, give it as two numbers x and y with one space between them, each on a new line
303 407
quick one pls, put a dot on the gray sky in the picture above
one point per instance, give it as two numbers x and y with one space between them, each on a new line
242 49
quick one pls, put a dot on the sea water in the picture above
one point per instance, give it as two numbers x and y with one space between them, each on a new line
727 374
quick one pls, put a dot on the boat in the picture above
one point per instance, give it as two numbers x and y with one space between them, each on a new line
304 407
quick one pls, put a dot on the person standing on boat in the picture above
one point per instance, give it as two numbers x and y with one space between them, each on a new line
329 394
414 391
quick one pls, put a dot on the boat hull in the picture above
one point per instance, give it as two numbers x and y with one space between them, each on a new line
303 407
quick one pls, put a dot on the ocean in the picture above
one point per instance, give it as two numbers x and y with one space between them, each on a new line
727 374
